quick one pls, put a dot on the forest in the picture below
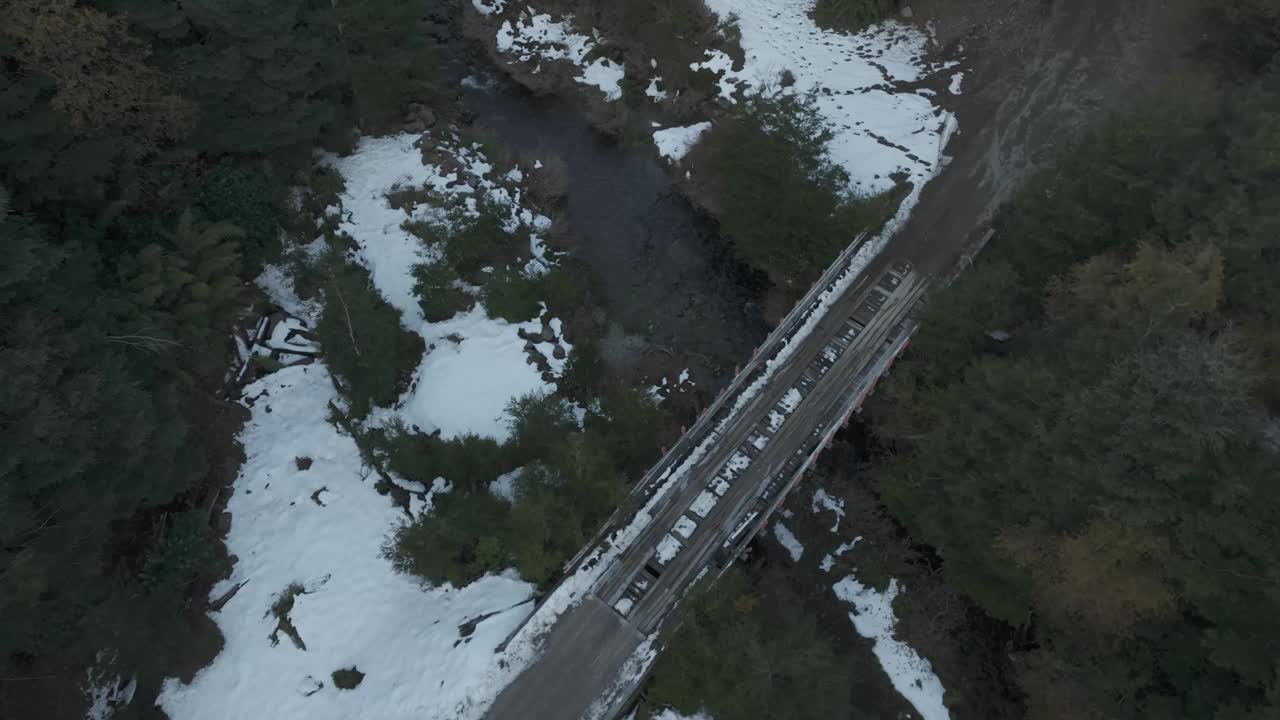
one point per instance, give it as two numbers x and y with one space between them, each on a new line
1085 427
1083 432
147 149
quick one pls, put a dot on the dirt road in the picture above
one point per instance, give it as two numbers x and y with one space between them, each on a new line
1037 72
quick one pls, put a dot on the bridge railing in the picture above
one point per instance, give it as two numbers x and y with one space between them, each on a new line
722 407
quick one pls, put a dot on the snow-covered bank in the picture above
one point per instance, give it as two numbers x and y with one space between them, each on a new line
788 541
674 143
879 129
534 37
306 520
477 363
911 675
322 528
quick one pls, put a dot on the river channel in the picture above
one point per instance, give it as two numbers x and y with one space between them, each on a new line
670 282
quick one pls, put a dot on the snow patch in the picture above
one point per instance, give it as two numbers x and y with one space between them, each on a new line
505 485
911 675
791 400
668 548
653 92
823 501
789 541
877 131
535 37
606 75
357 610
464 384
702 504
674 143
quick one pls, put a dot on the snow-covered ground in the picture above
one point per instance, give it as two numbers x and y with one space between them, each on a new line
823 501
490 355
537 37
322 528
879 130
911 675
674 143
478 363
426 653
789 541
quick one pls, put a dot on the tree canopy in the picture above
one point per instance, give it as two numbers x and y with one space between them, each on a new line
1106 476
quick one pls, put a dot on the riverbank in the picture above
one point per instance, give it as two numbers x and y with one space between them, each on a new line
878 94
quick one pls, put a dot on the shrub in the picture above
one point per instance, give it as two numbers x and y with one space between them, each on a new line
347 678
584 373
246 196
265 364
726 628
463 538
567 285
473 243
280 609
327 184
365 345
512 295
538 421
852 15
547 523
632 428
182 551
468 462
437 291
783 203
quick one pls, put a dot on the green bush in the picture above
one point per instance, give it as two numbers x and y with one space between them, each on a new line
734 660
365 345
327 184
785 206
584 373
538 421
280 610
569 486
473 243
512 295
567 286
468 462
464 537
438 296
182 551
347 678
632 427
247 196
852 15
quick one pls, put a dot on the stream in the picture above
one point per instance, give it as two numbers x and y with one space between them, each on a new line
670 281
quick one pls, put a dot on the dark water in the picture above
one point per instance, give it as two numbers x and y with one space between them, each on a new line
666 274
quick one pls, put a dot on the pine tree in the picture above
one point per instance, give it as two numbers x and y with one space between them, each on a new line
189 285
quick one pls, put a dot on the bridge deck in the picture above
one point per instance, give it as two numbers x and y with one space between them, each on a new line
588 646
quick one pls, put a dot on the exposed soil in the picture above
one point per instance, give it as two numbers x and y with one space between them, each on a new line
1037 73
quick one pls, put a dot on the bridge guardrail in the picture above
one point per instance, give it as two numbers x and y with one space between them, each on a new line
713 414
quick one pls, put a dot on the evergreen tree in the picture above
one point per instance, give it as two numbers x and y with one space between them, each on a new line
90 437
188 287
